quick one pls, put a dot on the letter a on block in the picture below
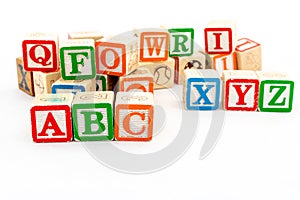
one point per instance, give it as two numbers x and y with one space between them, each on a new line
154 46
52 125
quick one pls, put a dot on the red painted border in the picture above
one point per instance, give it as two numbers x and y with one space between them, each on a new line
137 79
206 30
257 44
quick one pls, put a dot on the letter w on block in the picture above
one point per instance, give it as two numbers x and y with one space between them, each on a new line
154 46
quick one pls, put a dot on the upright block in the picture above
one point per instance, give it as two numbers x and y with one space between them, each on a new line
40 52
118 56
220 37
73 86
276 92
248 55
85 35
154 46
101 82
201 89
139 80
93 116
224 62
241 90
43 81
181 42
77 59
51 118
134 116
25 78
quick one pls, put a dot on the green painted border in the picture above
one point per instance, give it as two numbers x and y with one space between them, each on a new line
261 96
91 106
182 30
77 77
102 78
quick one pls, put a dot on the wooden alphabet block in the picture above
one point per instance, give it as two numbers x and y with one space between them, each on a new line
154 46
163 73
73 86
51 118
86 35
77 58
40 52
224 62
201 89
101 82
139 80
25 78
43 81
93 116
276 92
248 55
241 90
118 56
220 37
181 42
134 116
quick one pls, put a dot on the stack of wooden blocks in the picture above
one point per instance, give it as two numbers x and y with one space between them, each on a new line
88 89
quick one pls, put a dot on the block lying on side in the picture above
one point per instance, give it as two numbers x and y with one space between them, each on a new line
93 116
134 116
51 118
73 86
223 62
25 78
276 92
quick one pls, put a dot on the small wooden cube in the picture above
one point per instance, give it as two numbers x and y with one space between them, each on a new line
51 118
101 82
93 116
134 116
86 35
163 72
43 81
139 80
241 89
220 37
73 86
276 92
202 89
248 55
25 78
181 42
118 56
40 52
154 46
224 62
77 59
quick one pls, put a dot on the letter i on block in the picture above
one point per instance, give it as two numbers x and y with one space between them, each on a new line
40 52
220 37
93 116
201 89
134 116
51 118
77 57
276 92
241 90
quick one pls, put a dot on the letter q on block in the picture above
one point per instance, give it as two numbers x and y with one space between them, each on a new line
134 116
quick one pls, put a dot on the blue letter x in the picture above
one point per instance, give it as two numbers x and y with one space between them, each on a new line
203 94
23 83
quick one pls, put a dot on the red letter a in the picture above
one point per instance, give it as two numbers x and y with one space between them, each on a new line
50 123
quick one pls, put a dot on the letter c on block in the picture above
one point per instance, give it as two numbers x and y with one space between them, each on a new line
126 123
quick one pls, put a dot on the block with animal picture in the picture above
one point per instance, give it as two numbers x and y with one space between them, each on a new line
139 80
201 89
77 59
40 52
220 37
222 62
51 119
134 116
25 78
248 53
73 86
43 81
276 92
241 88
119 55
163 72
93 116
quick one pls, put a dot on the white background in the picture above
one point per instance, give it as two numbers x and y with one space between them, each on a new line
258 156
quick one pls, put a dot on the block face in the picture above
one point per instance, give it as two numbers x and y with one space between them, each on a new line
25 78
224 62
101 82
57 89
218 40
248 55
276 95
43 81
181 42
78 62
241 94
51 123
111 58
73 86
154 46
